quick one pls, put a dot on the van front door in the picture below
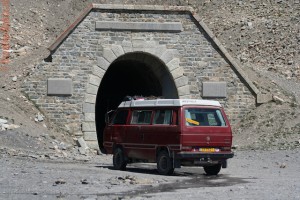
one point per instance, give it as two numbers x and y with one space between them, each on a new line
206 127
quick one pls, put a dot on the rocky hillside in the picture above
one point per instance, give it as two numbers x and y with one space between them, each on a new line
264 36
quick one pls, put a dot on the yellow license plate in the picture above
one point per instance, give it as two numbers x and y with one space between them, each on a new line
208 149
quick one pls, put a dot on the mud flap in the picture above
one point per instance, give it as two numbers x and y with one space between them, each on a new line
176 162
102 149
224 163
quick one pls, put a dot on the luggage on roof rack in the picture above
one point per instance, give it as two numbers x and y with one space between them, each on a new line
130 98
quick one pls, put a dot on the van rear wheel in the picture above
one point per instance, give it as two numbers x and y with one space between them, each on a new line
212 170
119 160
164 163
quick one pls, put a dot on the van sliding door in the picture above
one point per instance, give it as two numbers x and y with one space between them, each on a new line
140 120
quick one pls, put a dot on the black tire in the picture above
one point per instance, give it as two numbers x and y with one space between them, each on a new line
164 163
119 160
212 170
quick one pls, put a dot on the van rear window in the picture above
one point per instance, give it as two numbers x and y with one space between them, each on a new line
204 117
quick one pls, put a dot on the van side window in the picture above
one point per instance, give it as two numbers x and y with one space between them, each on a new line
120 117
162 117
204 117
141 117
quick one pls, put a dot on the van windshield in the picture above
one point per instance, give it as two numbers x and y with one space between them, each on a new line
203 117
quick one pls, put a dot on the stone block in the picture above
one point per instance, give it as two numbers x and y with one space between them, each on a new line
264 98
90 136
88 126
94 80
78 133
202 64
103 63
177 72
197 17
3 121
138 49
214 89
59 87
158 51
181 81
81 143
88 108
152 44
93 144
185 96
98 71
82 150
173 64
168 55
89 117
109 55
139 26
184 90
138 43
129 7
127 44
108 6
127 49
92 89
90 98
143 7
117 49
277 99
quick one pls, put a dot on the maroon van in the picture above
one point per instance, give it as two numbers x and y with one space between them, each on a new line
170 132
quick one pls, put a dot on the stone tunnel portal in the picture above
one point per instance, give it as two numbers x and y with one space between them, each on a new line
132 74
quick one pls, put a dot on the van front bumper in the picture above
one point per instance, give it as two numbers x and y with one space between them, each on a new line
200 155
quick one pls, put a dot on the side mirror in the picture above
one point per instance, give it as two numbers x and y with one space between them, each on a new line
107 116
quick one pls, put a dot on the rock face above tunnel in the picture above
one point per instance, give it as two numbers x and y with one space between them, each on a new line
146 50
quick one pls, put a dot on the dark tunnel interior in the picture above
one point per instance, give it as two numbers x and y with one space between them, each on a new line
125 77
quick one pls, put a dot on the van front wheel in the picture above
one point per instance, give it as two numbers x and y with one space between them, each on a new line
164 163
119 161
212 170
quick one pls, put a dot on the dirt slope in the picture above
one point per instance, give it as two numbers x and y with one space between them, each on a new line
264 36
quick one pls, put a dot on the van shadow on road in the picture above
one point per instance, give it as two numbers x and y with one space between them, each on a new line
196 175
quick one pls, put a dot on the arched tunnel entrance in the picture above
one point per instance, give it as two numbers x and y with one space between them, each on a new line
131 74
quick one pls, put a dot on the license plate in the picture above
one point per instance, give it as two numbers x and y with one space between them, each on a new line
209 150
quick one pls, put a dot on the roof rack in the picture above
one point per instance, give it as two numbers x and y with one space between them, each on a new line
168 103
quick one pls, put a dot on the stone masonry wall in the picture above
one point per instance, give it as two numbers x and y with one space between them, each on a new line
81 50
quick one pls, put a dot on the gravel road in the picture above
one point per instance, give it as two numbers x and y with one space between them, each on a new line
250 175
